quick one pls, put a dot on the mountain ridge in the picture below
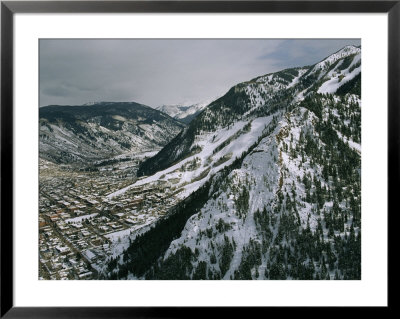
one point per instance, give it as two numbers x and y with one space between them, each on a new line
253 96
273 190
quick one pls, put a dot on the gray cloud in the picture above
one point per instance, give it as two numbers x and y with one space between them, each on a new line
156 72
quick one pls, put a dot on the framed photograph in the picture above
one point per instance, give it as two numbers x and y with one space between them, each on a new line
160 155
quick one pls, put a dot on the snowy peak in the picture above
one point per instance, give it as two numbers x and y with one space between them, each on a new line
343 53
339 60
184 112
172 110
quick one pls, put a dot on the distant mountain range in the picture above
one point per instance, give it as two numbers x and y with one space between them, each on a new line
184 113
96 131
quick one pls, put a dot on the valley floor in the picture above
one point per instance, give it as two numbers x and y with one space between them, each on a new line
80 227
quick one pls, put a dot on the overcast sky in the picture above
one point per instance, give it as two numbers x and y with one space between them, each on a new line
157 72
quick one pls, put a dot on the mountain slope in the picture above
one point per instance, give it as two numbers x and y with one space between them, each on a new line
294 196
70 134
259 97
270 177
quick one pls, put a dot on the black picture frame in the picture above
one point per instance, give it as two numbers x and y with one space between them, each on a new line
9 8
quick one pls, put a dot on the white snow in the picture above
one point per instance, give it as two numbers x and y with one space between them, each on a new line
296 79
79 219
209 143
185 109
333 84
346 51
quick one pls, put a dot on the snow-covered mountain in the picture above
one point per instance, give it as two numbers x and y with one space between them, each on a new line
259 97
184 112
100 130
270 181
